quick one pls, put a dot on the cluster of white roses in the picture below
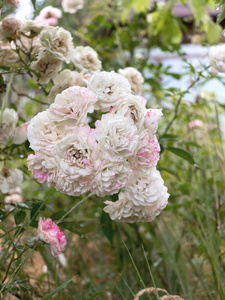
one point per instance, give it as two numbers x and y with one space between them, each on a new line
122 150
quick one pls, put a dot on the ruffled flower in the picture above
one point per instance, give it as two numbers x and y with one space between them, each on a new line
76 154
10 179
144 189
58 42
217 58
64 80
50 233
152 118
132 107
10 25
109 177
117 137
8 125
72 106
47 66
31 26
124 210
86 58
44 167
72 6
135 78
109 87
7 56
147 155
42 133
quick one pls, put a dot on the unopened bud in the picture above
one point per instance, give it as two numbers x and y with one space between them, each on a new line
14 3
10 25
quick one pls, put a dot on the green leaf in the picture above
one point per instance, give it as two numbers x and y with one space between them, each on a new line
221 16
59 288
182 153
73 227
170 171
198 7
213 31
107 228
34 3
4 68
20 217
35 210
57 215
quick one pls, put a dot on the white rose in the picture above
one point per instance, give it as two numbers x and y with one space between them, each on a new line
10 25
64 80
117 137
7 126
72 6
42 133
31 26
135 78
217 58
72 105
76 154
47 65
44 167
124 210
132 107
10 179
58 42
86 58
109 87
7 56
144 188
152 118
147 155
109 177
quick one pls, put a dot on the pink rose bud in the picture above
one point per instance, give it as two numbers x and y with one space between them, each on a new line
195 124
50 233
14 3
10 25
20 135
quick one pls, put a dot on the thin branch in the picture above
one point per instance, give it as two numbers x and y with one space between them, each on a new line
180 99
29 97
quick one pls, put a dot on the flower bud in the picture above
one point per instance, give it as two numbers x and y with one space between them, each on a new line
14 3
10 25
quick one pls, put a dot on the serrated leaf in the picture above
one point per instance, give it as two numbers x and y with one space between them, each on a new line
182 153
20 217
106 225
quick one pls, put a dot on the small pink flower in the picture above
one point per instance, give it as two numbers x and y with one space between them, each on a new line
51 12
50 233
195 124
14 3
49 21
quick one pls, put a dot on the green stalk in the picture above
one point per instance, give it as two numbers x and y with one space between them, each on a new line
73 207
6 96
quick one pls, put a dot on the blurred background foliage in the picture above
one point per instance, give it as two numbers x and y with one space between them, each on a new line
183 249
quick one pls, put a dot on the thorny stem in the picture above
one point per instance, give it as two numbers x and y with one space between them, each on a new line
180 99
6 96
